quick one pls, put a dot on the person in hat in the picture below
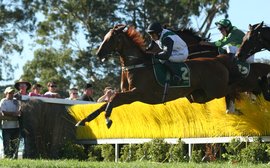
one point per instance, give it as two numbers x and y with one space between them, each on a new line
87 93
10 128
174 49
22 86
231 39
231 36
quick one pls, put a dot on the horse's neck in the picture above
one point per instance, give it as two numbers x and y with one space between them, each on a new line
190 41
131 56
266 37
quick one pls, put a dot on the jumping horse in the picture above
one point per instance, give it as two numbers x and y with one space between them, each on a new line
254 79
208 76
256 39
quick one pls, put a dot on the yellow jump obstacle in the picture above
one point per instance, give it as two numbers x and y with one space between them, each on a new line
176 119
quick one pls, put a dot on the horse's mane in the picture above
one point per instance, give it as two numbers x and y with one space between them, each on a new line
189 31
265 26
136 37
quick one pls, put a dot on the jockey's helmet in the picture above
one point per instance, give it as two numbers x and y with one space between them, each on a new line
226 23
154 28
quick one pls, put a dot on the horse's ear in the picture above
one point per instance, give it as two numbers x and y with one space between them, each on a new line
250 27
259 26
121 28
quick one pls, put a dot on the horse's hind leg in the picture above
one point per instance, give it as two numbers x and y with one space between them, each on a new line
91 116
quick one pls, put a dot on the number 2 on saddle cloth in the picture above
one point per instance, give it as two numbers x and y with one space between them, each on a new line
163 75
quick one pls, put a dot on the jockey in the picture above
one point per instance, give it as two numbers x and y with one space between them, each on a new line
174 49
231 38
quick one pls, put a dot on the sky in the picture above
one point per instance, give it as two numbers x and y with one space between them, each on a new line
241 13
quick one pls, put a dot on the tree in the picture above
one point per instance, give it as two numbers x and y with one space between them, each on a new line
66 24
15 18
69 22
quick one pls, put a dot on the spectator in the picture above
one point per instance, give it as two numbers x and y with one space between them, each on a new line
73 94
87 93
108 93
10 128
52 87
22 87
36 90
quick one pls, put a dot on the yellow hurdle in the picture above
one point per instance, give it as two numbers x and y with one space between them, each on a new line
176 119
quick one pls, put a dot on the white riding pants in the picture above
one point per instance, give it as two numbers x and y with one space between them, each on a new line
233 49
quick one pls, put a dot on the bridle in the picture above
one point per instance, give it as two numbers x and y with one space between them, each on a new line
128 57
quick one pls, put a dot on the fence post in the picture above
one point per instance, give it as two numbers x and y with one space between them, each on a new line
189 151
116 152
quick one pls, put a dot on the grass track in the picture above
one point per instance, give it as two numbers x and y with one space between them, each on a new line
25 163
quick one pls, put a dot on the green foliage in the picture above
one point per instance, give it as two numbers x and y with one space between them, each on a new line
177 153
23 163
143 152
158 150
255 152
196 156
94 153
128 152
15 19
233 150
107 152
72 151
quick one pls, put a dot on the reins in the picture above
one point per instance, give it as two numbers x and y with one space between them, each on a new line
130 67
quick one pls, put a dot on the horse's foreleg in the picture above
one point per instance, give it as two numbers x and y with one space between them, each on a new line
108 112
118 100
91 116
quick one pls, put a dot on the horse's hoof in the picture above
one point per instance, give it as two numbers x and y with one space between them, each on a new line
236 112
80 123
109 124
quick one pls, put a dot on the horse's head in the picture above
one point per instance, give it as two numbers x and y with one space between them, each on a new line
127 42
111 42
251 42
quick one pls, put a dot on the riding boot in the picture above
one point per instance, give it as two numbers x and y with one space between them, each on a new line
234 73
172 71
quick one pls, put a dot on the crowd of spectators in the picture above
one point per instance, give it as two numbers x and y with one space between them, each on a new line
10 107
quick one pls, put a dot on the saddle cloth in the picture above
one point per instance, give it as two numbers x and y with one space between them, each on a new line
163 75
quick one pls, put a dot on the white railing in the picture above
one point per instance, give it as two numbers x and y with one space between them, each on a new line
188 141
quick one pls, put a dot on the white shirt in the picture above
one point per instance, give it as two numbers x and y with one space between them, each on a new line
9 106
51 94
